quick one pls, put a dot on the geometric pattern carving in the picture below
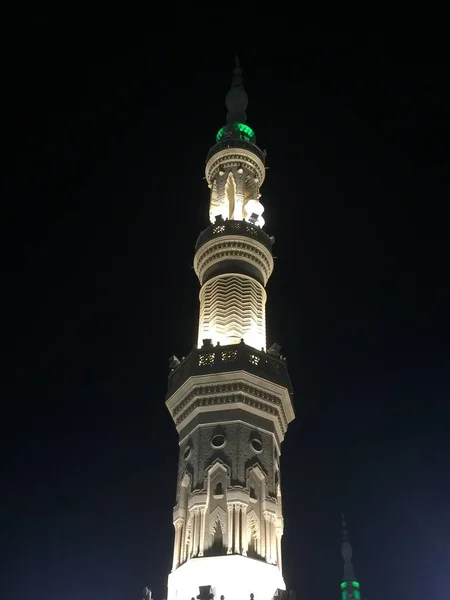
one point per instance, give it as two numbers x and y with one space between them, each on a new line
253 525
232 307
189 532
232 157
218 517
229 399
210 395
235 248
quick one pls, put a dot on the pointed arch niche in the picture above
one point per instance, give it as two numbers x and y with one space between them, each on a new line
183 544
253 524
230 195
218 531
218 478
256 485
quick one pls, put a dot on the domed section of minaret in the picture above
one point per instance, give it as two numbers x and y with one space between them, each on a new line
346 551
237 99
236 133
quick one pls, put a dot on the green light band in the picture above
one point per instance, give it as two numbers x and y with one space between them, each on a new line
245 132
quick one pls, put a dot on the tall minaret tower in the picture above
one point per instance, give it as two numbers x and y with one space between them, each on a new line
230 398
349 586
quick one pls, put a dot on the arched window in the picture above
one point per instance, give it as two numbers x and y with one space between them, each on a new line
218 489
230 193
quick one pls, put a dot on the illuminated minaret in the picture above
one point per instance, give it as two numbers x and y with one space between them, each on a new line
230 398
350 589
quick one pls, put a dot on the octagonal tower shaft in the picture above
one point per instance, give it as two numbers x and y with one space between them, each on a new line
230 399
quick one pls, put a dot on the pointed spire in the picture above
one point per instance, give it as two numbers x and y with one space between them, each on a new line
237 99
237 73
346 553
344 531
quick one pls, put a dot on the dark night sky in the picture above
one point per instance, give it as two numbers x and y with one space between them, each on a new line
103 206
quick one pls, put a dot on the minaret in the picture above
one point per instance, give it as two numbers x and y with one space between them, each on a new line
349 586
230 398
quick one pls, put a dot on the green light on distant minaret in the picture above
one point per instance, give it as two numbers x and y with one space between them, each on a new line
349 585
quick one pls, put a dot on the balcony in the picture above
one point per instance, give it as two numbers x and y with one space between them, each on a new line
244 228
222 359
236 143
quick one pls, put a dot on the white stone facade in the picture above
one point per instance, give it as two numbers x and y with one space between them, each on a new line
230 400
233 308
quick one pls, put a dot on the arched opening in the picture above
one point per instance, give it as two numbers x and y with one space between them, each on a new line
218 491
230 193
252 535
251 546
217 548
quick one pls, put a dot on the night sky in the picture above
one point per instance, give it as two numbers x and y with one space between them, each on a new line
103 204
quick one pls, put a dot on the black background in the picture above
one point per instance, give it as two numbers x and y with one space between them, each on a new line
104 200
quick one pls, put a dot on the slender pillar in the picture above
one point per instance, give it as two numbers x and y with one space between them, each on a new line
262 538
194 533
202 512
189 534
273 540
197 530
279 534
177 544
244 533
237 543
230 529
268 537
183 543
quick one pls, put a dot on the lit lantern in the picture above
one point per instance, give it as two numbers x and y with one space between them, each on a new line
253 212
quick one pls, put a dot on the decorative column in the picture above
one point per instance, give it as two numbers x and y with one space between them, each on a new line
262 538
244 533
177 543
273 544
267 536
237 544
194 544
279 531
183 536
197 530
202 513
189 536
230 528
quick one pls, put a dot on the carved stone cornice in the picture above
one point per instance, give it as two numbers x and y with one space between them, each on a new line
230 398
270 506
197 500
179 514
229 158
237 496
269 516
234 247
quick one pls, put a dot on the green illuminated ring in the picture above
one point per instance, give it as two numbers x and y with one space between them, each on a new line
246 132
